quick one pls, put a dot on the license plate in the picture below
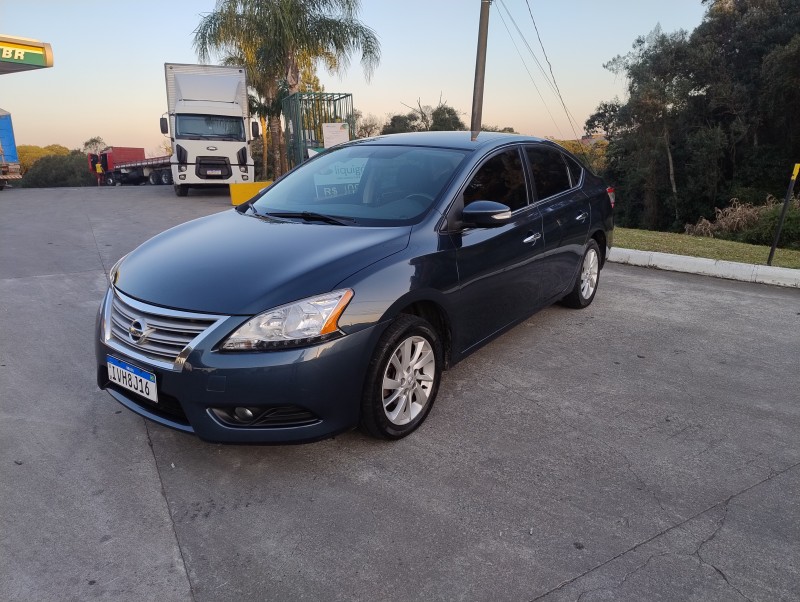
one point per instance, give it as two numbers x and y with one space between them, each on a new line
214 172
132 378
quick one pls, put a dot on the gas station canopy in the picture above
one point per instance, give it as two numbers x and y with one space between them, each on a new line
22 54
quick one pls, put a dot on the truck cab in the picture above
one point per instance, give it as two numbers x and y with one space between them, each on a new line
208 123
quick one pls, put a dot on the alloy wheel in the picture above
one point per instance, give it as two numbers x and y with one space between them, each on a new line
589 273
408 380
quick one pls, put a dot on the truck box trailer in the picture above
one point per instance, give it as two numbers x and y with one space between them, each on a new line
9 160
209 125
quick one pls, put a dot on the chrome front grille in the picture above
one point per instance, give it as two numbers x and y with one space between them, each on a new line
156 334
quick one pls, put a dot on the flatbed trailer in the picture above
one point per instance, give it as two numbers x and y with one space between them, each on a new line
128 165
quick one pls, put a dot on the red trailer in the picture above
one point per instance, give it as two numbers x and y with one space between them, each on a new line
128 165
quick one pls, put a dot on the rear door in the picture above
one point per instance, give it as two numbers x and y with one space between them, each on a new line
565 213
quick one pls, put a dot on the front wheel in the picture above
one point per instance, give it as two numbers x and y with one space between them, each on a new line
588 278
181 190
402 379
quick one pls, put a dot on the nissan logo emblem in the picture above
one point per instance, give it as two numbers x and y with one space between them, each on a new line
138 331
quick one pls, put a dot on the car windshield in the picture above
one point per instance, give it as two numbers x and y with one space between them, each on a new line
209 127
366 185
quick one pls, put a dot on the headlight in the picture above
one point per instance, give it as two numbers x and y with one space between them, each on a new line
299 323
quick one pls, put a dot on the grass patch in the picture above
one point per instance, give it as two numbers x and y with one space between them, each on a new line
702 246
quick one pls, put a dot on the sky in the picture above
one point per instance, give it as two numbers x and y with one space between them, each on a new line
108 73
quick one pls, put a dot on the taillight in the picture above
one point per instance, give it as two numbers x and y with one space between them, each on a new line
611 196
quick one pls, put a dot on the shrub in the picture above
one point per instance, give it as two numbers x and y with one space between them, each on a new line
753 224
56 171
763 231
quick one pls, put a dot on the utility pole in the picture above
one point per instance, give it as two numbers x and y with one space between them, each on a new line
786 201
480 69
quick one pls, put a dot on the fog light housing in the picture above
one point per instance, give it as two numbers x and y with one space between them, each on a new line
264 417
245 178
182 176
181 168
244 414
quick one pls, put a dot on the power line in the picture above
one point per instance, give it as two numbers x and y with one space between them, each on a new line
528 46
530 75
552 84
546 58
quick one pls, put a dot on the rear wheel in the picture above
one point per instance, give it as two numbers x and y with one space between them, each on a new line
587 280
181 190
402 379
153 178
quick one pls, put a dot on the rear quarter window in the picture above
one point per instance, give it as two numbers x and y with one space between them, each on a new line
575 170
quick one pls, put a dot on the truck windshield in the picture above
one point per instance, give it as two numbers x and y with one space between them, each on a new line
209 127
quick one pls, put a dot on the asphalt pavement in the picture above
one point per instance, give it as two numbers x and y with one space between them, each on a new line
645 448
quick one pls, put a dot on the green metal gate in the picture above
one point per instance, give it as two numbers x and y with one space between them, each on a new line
304 114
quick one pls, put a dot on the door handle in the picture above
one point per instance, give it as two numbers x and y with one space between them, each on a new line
532 238
582 216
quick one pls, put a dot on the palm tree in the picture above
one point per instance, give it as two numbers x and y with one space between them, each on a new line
272 37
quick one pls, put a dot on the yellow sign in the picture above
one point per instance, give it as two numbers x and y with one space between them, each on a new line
21 54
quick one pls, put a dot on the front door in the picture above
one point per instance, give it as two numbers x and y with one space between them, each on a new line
497 267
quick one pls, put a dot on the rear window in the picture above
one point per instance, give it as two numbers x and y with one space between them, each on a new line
549 170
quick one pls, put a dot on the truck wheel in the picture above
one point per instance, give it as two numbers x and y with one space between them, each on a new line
166 177
111 180
153 178
2 184
181 190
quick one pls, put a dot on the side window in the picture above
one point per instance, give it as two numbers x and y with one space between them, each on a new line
500 179
549 171
575 170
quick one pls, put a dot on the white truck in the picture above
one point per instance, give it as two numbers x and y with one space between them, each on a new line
209 126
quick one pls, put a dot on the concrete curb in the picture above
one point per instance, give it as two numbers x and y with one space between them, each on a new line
762 274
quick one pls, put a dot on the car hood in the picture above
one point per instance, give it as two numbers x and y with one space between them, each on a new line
236 264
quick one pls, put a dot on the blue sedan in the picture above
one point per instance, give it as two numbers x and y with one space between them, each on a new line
337 296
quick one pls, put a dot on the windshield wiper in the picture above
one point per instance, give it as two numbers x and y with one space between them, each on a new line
248 206
311 216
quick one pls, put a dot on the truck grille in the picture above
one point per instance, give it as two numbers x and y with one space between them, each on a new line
153 333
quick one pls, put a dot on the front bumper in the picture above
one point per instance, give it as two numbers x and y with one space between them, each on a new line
311 393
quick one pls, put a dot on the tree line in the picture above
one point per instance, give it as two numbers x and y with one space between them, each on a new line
712 115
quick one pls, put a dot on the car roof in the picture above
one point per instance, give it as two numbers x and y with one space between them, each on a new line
457 140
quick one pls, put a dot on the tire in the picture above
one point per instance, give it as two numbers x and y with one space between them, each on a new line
411 345
181 190
153 178
587 280
111 180
166 177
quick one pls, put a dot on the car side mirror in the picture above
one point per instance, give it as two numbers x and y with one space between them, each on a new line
255 130
164 125
486 214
